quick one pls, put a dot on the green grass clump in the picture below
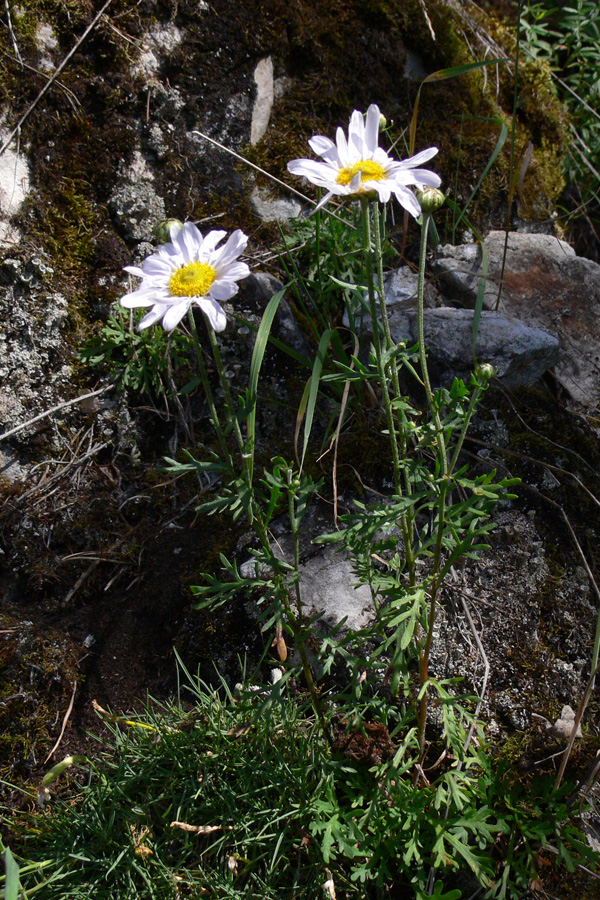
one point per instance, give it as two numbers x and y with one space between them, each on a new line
242 796
248 777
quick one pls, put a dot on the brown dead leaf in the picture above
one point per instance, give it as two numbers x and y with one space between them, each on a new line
197 829
240 730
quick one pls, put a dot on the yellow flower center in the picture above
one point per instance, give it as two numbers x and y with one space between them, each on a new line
368 168
193 280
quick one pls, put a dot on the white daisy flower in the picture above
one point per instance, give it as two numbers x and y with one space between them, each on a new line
189 270
357 165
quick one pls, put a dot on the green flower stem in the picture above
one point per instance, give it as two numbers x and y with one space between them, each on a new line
367 251
207 388
474 400
226 390
367 247
442 457
406 521
258 523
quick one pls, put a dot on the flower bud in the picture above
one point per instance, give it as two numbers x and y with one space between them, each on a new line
382 122
162 230
484 372
430 199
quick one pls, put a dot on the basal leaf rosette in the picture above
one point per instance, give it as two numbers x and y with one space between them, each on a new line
358 165
189 270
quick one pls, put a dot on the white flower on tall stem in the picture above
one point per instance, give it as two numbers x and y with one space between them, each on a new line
190 270
358 165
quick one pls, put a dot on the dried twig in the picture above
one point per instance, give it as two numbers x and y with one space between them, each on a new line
71 97
64 723
54 76
12 33
272 177
82 578
58 475
54 409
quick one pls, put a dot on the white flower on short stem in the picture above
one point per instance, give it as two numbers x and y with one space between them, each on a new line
189 270
358 165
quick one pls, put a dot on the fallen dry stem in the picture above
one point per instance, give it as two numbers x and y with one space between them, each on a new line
64 723
50 412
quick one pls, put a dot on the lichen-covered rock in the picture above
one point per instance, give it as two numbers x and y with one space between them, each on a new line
15 184
31 341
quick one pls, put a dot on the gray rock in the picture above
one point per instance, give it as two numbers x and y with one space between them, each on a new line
545 285
11 467
259 287
15 180
135 203
401 287
520 353
263 103
274 209
159 42
47 45
459 268
328 587
563 726
30 341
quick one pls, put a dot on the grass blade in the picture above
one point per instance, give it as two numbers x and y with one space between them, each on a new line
443 75
12 884
260 345
495 153
311 392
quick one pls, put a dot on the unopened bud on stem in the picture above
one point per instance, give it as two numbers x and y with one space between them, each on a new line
484 372
430 199
162 230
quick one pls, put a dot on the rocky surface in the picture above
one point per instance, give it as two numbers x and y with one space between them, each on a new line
519 353
98 547
544 284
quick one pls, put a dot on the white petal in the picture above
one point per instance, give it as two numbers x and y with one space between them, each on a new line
344 155
223 289
236 271
356 135
421 157
235 245
168 252
154 265
417 176
134 270
324 147
426 176
372 129
213 312
383 188
211 240
318 173
381 157
155 314
407 199
323 200
188 241
175 314
174 230
137 298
